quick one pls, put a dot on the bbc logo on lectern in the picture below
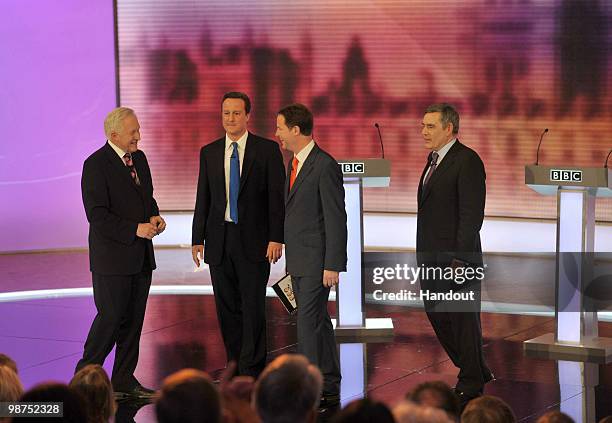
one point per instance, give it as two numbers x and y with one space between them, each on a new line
352 167
564 175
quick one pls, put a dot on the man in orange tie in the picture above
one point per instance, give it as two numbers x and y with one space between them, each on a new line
294 165
315 240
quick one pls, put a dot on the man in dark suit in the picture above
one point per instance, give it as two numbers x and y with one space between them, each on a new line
451 201
123 218
315 240
239 213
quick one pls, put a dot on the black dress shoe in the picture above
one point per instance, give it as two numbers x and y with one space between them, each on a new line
128 408
329 400
466 396
137 392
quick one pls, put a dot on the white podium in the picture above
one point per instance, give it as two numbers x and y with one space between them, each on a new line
352 323
575 337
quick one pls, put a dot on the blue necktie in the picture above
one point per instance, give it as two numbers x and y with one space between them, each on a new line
234 184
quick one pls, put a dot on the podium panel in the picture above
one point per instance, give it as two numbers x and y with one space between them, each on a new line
352 323
576 337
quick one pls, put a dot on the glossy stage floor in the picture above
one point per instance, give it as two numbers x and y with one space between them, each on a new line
45 316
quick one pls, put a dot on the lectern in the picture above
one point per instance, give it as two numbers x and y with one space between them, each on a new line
350 299
576 188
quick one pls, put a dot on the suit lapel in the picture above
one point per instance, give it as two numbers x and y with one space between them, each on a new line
218 171
118 164
289 168
249 157
446 164
420 190
139 166
304 172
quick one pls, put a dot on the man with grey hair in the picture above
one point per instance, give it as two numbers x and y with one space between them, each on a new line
123 217
288 391
451 202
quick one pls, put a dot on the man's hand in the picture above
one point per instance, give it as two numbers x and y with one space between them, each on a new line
275 251
146 230
330 278
197 253
456 264
159 223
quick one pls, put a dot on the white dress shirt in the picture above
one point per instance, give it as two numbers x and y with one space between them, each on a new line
119 151
441 153
303 155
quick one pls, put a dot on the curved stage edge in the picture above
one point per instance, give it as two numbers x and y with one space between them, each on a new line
46 314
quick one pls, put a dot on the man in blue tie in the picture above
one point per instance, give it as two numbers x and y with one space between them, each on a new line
239 214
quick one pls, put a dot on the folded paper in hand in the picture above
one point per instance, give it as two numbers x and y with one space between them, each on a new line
284 291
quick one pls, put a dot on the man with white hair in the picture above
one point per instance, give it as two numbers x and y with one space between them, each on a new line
123 218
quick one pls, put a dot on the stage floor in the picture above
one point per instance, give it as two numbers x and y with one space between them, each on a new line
45 337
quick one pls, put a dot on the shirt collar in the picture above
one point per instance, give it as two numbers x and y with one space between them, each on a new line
304 152
119 151
442 152
241 141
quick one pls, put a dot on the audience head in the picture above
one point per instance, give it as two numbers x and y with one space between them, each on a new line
10 385
437 395
188 396
288 390
409 412
7 361
606 420
93 384
364 411
555 417
74 403
487 409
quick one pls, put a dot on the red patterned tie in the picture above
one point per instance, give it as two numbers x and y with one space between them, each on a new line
127 158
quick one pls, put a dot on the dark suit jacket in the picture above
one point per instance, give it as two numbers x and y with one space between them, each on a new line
451 209
261 208
115 205
315 217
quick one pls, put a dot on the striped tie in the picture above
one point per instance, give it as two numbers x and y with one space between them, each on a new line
127 158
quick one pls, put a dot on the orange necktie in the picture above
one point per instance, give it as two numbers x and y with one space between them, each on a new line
294 167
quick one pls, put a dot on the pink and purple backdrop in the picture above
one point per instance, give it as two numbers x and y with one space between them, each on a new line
58 83
512 68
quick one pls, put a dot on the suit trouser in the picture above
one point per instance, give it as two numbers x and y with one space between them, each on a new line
460 334
240 297
315 332
121 301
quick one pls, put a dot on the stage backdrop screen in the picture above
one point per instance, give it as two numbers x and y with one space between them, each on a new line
58 82
511 68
